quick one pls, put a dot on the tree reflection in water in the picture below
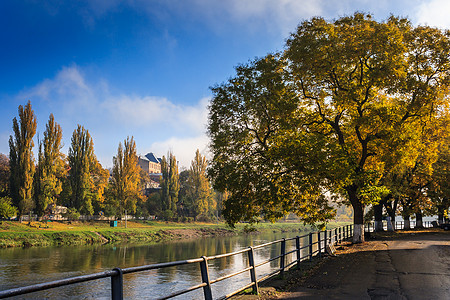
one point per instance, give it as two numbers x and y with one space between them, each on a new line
26 266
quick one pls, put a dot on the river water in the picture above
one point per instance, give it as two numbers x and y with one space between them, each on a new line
26 266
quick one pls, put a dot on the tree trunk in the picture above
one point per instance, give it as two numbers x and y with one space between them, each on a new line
390 226
390 208
419 221
406 223
358 215
440 213
440 218
378 211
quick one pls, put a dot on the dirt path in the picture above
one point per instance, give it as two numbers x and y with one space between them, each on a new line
410 265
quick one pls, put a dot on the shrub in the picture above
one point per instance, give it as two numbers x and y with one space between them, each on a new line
72 214
7 209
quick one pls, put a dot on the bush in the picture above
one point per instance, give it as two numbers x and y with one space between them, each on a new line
7 210
72 214
248 228
168 215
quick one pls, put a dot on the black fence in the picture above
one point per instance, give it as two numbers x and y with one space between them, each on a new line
370 227
303 247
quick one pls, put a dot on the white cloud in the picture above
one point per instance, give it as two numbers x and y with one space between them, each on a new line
183 148
68 89
146 111
68 82
284 14
434 13
157 124
277 16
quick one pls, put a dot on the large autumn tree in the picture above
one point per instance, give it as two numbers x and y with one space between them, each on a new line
325 116
248 117
21 159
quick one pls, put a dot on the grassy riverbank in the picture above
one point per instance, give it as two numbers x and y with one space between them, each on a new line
15 234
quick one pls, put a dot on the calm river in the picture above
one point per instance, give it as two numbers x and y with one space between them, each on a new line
26 266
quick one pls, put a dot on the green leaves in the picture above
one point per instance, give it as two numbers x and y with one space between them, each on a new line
126 176
86 176
169 185
7 210
21 159
334 114
50 168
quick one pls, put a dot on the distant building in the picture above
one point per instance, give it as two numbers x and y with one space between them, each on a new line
149 163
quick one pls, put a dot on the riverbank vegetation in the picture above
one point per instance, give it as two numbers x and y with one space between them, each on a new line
80 186
27 234
354 112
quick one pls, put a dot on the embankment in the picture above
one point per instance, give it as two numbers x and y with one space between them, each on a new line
15 234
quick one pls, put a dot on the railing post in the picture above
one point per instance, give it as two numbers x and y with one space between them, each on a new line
340 234
205 279
326 242
319 243
251 262
283 256
297 250
310 245
117 285
335 236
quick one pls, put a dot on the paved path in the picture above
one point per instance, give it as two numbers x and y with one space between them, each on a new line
416 266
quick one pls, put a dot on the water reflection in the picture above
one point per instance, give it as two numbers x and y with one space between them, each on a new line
26 266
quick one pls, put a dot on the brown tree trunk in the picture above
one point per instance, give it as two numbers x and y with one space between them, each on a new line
378 212
406 223
441 210
440 218
391 207
358 215
419 221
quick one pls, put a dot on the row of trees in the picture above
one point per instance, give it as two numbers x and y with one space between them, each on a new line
187 194
353 111
80 183
77 181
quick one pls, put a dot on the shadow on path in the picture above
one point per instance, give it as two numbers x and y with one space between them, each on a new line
406 266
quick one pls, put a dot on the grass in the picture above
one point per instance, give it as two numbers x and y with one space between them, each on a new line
16 234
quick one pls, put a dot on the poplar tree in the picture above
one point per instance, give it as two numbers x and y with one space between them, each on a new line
50 168
126 176
200 191
174 182
169 185
165 191
99 182
21 159
82 162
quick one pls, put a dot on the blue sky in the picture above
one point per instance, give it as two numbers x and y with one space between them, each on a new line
144 68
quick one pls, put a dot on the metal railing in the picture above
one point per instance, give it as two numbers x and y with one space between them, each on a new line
316 245
370 227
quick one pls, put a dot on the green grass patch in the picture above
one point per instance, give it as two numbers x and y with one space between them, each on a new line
16 234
